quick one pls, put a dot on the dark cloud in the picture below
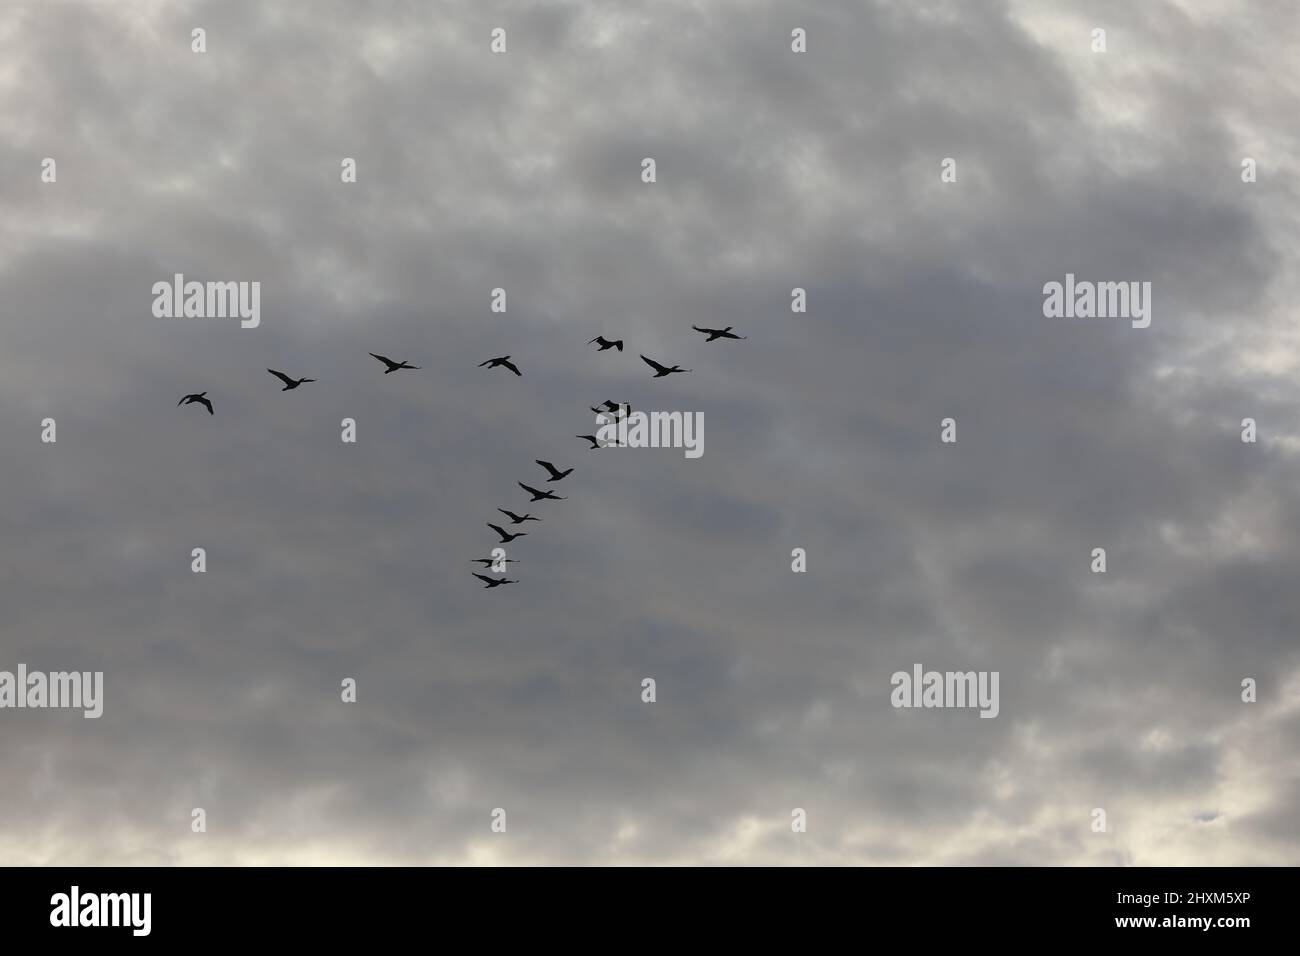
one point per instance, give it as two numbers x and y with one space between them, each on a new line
327 560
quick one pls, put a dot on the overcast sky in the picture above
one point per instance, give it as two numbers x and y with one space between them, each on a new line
776 170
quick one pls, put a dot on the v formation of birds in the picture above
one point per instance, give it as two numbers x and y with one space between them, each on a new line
554 473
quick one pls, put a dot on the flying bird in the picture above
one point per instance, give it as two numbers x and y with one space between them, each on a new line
506 536
605 343
199 398
556 474
488 562
517 519
595 442
612 411
492 582
539 495
393 366
719 333
503 360
289 383
662 370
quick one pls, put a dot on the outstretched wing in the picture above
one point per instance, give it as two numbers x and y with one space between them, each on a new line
548 466
654 365
386 361
481 577
282 377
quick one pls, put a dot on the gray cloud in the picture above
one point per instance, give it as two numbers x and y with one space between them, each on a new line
328 560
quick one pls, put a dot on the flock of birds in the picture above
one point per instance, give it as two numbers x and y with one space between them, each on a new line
608 408
554 474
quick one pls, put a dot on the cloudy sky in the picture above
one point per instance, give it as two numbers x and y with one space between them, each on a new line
776 170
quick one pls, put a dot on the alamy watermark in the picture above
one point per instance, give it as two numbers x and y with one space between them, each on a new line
927 689
1102 300
57 689
208 300
75 908
653 430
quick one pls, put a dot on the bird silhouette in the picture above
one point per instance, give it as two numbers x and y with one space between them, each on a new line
662 370
616 406
289 383
393 366
517 519
539 495
199 398
492 582
605 343
556 474
595 442
719 333
506 536
488 562
503 360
